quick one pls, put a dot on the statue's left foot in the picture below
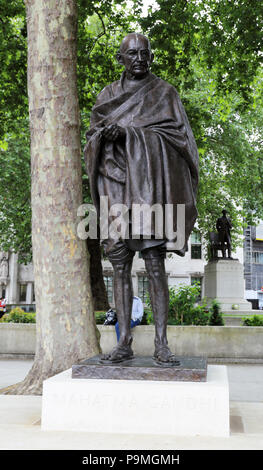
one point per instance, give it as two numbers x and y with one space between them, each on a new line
118 354
163 355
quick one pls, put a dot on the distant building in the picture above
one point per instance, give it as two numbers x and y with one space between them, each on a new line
253 265
16 281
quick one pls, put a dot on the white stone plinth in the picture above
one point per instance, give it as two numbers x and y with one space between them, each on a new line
224 281
138 407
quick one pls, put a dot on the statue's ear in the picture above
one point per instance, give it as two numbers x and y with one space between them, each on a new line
119 58
152 57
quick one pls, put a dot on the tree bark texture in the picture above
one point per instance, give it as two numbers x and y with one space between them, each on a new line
66 330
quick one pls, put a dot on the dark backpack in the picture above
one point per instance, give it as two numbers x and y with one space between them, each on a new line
111 317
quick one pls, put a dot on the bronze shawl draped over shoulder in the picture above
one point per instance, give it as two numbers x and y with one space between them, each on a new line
157 162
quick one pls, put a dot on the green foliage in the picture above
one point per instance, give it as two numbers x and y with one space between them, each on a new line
255 320
224 36
17 315
13 71
181 304
231 165
148 314
216 318
199 315
100 317
183 309
15 215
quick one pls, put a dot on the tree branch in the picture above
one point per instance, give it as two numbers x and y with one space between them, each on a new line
101 34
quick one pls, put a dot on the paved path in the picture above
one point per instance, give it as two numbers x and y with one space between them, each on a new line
13 371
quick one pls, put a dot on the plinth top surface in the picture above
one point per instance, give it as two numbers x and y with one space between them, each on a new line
143 368
148 361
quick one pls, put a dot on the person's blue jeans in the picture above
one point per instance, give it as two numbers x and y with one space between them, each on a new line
133 324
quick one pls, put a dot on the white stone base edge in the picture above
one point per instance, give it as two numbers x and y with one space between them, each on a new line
138 407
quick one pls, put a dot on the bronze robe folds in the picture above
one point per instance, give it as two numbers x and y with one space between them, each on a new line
157 162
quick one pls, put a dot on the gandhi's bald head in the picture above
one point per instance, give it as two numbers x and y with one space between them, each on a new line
134 38
136 56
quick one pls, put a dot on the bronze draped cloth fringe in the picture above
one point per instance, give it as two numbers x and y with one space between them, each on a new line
157 162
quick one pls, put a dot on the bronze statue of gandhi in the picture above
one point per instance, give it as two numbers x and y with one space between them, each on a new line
141 150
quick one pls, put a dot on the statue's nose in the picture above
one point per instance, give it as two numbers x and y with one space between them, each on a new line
140 56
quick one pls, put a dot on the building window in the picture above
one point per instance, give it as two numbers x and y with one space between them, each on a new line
248 258
22 293
258 282
197 280
196 247
143 288
3 291
33 293
108 281
257 257
259 232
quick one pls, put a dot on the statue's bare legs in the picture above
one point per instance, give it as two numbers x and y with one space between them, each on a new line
123 293
159 295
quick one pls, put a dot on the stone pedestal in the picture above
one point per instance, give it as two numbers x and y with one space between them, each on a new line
137 406
224 281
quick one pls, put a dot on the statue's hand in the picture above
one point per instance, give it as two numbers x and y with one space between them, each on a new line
113 132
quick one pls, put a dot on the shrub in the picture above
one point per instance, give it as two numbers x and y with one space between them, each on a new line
216 318
146 313
255 320
17 315
100 317
182 307
200 315
181 303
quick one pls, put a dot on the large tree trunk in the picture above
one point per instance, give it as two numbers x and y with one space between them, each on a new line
66 330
